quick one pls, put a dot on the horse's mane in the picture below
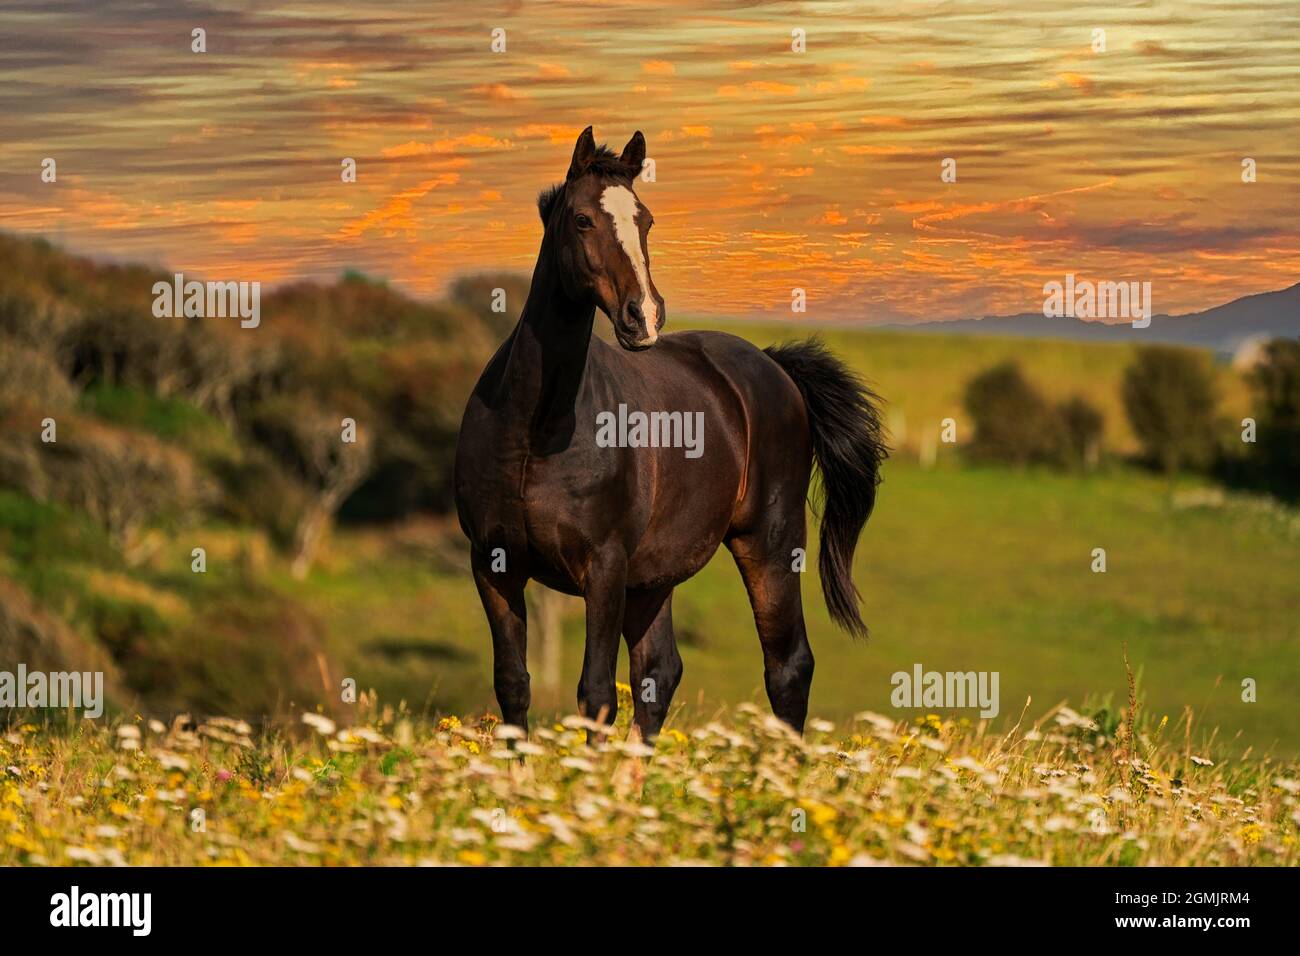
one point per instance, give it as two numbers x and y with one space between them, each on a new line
606 164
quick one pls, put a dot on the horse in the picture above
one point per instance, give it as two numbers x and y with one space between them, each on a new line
541 497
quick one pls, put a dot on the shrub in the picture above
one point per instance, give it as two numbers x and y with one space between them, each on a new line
1014 423
30 316
33 636
31 379
121 479
309 441
171 419
259 491
478 294
1170 401
1082 425
202 361
1276 452
247 654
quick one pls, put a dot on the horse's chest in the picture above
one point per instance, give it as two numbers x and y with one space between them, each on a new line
573 505
490 473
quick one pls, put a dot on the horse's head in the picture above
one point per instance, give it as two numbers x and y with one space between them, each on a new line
598 227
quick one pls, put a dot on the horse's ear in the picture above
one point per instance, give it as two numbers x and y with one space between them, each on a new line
584 151
634 153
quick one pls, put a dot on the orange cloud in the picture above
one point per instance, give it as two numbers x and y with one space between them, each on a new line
1078 81
862 149
555 132
758 87
844 84
887 122
395 214
451 144
499 91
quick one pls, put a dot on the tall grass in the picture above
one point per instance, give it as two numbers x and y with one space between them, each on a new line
739 789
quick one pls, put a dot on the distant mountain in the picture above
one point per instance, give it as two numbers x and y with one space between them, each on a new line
1222 328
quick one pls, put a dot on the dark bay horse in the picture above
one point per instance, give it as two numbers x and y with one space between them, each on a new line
555 482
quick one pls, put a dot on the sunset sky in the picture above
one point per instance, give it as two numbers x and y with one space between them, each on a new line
775 169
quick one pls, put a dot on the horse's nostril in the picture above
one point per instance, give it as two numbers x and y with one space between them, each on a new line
634 309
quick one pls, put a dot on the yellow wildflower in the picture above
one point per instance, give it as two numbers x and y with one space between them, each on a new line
22 842
822 814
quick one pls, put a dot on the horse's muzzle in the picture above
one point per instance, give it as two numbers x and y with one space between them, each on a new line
633 328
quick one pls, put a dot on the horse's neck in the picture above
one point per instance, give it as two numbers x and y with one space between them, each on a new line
547 359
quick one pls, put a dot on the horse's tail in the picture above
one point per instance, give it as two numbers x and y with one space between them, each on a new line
849 445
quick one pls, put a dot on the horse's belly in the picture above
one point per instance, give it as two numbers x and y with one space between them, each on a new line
653 566
690 515
668 515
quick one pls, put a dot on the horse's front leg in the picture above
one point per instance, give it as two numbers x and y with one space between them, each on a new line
656 667
502 594
606 598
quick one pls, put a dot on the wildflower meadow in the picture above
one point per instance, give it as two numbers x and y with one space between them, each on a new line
737 789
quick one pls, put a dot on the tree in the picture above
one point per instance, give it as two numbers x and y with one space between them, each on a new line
329 458
1276 382
1014 423
1169 398
1082 425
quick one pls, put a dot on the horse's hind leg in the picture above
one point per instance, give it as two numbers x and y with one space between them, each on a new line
765 561
502 595
656 667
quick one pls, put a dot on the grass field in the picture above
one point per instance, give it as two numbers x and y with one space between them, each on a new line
962 568
922 377
735 791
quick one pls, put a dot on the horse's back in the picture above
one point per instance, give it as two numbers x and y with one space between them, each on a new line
757 446
771 401
743 364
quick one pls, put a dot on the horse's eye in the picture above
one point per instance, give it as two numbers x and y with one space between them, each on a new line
583 221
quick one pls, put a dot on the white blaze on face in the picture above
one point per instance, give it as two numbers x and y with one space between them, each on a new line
620 203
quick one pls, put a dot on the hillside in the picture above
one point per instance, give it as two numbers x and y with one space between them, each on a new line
1222 328
151 468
